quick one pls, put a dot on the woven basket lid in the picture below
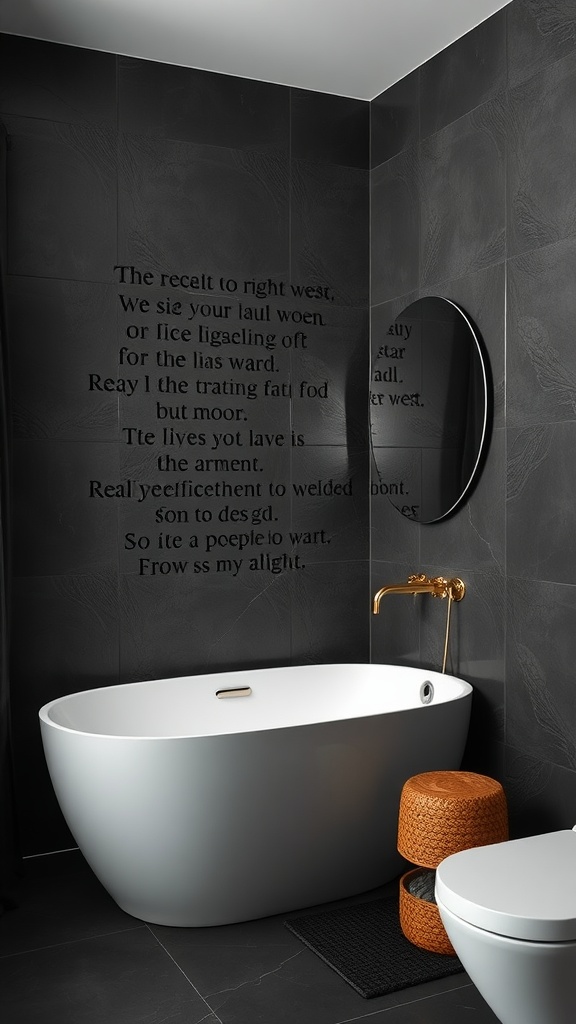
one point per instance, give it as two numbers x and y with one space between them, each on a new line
444 812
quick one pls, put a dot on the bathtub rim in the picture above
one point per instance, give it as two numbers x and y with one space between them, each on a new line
466 690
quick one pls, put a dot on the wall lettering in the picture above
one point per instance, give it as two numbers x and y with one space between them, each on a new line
206 384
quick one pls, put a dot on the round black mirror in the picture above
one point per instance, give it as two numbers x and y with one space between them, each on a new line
429 409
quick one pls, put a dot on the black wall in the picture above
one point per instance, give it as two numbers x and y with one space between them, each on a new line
474 198
120 162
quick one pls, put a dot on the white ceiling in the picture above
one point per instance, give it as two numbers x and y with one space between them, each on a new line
347 47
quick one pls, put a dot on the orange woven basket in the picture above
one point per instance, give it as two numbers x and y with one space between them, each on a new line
444 812
420 920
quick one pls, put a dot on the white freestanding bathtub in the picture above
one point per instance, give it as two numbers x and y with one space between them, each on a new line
196 809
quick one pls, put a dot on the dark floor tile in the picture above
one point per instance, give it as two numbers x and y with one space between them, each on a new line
260 971
121 977
449 1007
60 901
68 955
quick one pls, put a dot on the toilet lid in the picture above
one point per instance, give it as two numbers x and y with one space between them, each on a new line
524 888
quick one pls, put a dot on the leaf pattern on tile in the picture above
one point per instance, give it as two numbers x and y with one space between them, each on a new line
269 169
553 376
94 594
554 17
543 706
526 779
530 449
96 147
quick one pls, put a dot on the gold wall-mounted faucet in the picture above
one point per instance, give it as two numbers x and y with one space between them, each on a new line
438 586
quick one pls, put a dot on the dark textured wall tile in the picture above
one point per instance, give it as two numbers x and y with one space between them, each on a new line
58 527
474 538
329 613
395 226
541 155
62 344
203 622
392 526
540 795
395 631
541 358
395 119
197 182
198 209
57 83
464 75
541 515
540 706
463 208
392 529
328 371
467 206
224 501
334 129
476 653
477 633
53 230
172 102
329 229
331 525
481 296
64 639
539 33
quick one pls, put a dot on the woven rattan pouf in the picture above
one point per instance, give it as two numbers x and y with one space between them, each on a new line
442 813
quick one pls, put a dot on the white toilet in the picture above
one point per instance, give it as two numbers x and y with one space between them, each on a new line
510 913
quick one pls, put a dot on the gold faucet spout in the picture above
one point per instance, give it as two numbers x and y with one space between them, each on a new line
438 586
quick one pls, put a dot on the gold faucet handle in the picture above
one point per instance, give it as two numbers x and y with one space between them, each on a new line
456 588
441 586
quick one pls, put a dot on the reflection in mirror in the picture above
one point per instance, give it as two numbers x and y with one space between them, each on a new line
429 409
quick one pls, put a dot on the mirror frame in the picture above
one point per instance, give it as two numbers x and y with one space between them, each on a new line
488 401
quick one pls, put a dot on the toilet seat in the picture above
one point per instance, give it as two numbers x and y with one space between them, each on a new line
523 888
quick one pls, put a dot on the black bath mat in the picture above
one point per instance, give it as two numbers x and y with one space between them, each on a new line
364 944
